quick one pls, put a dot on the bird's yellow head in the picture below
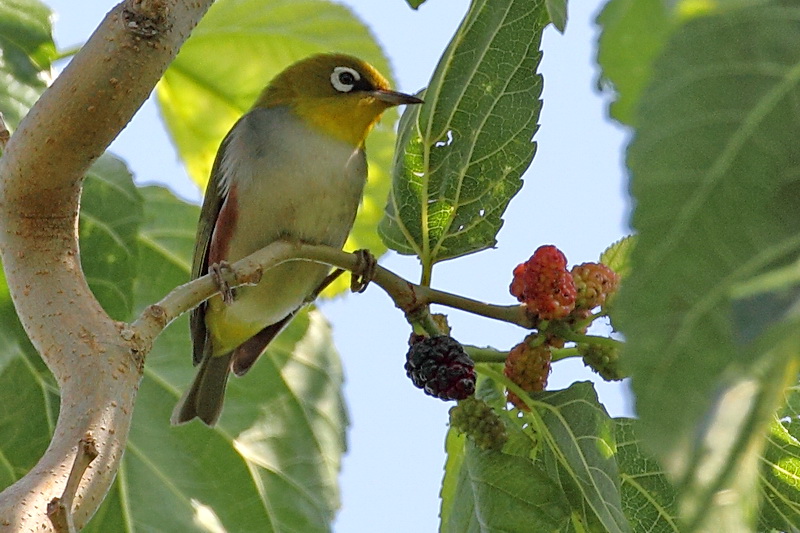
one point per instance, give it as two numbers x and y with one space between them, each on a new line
336 93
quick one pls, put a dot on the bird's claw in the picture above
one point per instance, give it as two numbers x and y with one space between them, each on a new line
219 272
364 271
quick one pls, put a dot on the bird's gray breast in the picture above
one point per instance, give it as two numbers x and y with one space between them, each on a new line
292 180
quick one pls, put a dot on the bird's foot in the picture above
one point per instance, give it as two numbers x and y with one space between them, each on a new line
364 271
219 272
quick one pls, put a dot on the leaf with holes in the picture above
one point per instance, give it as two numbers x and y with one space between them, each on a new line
460 156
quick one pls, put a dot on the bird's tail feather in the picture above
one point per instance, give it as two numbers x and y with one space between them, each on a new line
204 398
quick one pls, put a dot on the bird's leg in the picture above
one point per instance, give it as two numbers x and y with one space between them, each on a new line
330 278
361 275
364 271
219 272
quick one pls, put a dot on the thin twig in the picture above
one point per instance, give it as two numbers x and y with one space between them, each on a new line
59 509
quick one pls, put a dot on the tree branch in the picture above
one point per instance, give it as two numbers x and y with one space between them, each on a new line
409 297
41 174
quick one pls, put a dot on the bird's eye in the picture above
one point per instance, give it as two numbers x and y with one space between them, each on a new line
344 79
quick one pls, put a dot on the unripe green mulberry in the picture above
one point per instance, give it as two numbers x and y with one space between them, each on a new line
602 359
479 422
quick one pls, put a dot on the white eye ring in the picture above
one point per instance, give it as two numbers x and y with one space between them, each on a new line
344 79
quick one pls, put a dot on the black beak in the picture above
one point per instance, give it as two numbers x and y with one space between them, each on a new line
394 97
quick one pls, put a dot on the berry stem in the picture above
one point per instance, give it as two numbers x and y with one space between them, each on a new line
485 355
421 319
569 334
564 353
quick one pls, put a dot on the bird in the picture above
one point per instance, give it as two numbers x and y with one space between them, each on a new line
292 168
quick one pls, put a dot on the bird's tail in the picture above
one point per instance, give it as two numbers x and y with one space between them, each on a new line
204 398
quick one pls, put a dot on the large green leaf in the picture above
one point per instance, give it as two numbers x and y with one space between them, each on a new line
581 453
26 50
109 224
576 440
460 156
500 492
232 54
272 462
634 33
713 166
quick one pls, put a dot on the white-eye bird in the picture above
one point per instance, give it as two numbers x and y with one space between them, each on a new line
291 168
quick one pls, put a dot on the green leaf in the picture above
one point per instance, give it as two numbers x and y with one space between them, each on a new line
633 34
715 187
28 405
581 450
271 464
166 244
578 447
501 492
237 48
712 175
415 3
460 156
454 446
109 224
26 50
557 11
648 498
780 478
617 256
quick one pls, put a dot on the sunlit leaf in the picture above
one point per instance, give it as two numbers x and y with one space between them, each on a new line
648 498
460 156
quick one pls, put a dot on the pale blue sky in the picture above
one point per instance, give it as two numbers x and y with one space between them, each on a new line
573 197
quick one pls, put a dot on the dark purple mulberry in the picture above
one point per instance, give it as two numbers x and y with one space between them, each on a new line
440 366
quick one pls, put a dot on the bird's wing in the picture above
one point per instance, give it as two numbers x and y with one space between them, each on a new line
212 204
